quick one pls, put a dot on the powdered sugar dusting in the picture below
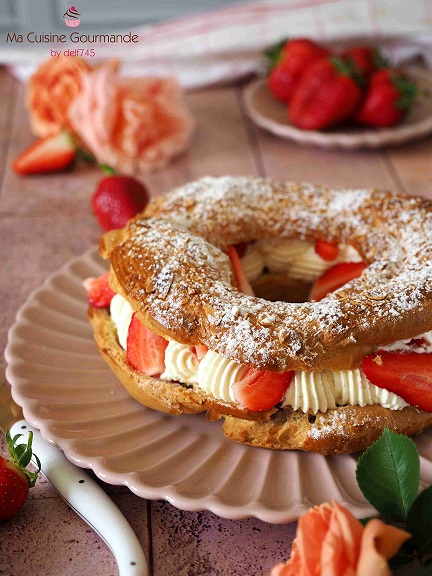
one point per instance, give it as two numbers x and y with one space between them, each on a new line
172 268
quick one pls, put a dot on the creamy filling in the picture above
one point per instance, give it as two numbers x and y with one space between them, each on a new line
121 314
322 391
309 266
296 258
216 376
308 391
421 344
253 262
181 364
280 254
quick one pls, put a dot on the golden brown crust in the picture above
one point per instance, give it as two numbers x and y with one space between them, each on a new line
180 284
169 263
169 397
338 431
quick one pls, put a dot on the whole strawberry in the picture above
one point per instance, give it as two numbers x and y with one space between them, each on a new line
329 92
366 59
388 98
117 199
15 480
288 62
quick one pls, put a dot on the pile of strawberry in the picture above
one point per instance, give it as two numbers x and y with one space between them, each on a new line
324 89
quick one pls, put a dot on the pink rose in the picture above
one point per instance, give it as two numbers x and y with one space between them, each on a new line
330 541
132 124
50 90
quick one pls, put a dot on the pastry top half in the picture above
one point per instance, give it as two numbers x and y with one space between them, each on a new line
171 266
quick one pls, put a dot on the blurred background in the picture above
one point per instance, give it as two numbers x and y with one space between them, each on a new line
114 14
207 41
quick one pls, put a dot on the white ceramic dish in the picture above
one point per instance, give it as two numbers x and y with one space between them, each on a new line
68 392
268 113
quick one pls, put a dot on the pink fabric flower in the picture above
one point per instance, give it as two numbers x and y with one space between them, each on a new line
132 124
330 541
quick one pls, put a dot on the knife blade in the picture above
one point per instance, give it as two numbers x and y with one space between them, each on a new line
79 490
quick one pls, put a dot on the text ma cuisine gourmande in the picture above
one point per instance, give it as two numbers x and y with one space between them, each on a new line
41 38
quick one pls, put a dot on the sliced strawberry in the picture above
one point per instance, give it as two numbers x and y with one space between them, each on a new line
145 350
241 248
326 250
335 277
99 293
260 390
46 155
418 342
409 375
200 350
242 282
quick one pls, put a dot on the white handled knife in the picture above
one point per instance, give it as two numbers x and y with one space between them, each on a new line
80 491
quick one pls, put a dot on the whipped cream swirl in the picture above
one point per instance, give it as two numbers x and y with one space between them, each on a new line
322 391
253 262
280 253
121 314
296 258
181 364
217 374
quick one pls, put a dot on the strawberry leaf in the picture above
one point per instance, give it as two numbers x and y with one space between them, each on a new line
347 67
419 522
22 455
408 92
388 474
379 60
87 157
273 53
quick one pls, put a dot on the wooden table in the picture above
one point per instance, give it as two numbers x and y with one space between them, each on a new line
46 220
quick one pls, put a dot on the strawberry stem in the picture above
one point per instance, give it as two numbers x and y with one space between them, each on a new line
22 455
87 157
347 67
108 170
408 92
273 53
379 60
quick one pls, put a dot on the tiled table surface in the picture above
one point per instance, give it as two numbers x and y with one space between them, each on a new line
46 220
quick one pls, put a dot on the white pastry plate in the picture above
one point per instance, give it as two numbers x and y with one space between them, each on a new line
68 392
265 111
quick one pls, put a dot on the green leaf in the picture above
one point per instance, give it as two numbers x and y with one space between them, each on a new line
408 92
364 521
419 522
23 455
379 60
273 53
388 474
87 157
347 67
108 170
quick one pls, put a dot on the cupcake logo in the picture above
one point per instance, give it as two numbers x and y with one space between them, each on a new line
72 17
